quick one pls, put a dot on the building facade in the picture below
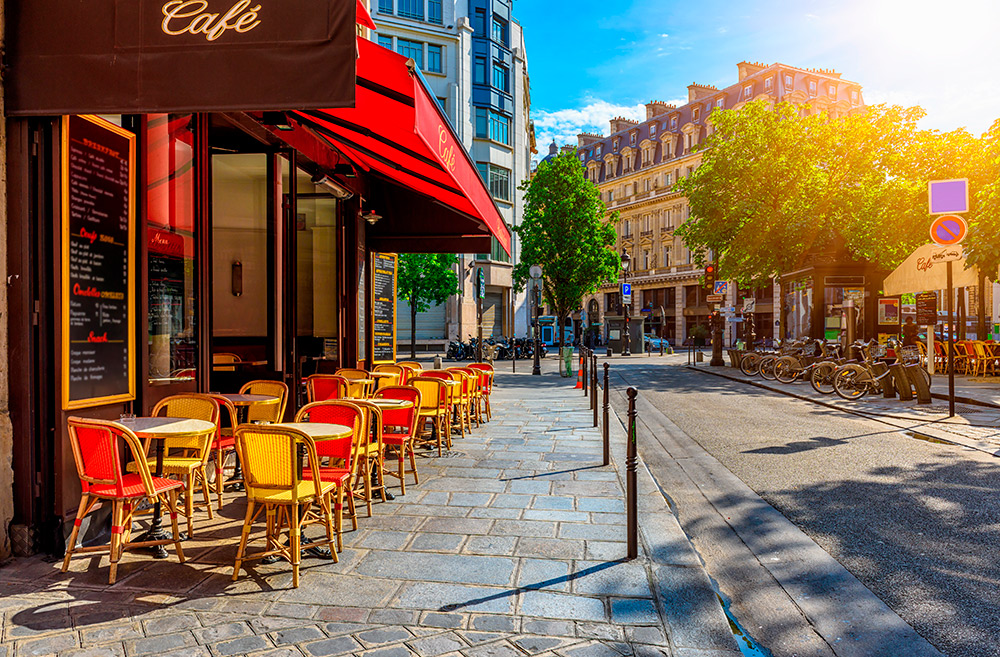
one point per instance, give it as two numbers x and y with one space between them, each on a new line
472 54
636 168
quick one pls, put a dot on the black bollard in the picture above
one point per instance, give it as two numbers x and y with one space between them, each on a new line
583 366
593 386
661 346
607 428
631 502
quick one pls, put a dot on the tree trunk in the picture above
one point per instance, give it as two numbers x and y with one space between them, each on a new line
413 329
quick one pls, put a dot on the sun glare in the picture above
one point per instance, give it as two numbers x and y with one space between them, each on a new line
931 29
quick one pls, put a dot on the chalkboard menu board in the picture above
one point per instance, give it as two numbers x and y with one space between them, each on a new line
926 309
383 307
98 323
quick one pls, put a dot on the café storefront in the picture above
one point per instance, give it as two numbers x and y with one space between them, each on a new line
195 200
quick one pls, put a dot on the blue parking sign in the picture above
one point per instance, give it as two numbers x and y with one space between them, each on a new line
626 289
721 287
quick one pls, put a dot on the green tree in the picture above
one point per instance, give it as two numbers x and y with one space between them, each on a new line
983 171
422 279
775 185
567 232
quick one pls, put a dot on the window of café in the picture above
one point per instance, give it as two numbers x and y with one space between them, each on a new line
169 200
798 308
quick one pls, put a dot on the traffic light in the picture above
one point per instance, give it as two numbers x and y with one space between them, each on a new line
710 270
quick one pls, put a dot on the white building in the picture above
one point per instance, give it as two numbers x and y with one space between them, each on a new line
471 52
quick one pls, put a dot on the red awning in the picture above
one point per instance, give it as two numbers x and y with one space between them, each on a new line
397 132
364 18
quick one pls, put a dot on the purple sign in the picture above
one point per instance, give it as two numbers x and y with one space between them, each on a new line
946 196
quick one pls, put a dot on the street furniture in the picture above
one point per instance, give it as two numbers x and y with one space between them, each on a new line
434 407
320 387
401 428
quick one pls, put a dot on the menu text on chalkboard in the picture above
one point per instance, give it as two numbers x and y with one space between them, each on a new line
98 323
927 309
383 308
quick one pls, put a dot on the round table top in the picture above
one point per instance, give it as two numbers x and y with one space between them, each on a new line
320 430
166 427
385 404
362 381
239 399
382 375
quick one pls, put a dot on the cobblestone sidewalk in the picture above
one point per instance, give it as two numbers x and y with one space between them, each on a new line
510 546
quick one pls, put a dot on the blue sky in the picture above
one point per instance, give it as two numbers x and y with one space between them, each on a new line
591 60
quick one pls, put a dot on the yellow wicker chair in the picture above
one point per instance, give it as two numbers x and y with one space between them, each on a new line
434 406
221 359
486 383
403 425
355 387
275 487
271 412
371 456
186 457
398 373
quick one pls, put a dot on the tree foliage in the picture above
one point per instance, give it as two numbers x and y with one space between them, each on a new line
774 186
422 279
566 231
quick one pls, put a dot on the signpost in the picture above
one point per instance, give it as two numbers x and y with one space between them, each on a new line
943 197
749 305
626 293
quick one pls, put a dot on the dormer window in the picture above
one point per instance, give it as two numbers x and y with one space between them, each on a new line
583 157
720 103
769 84
832 90
855 97
614 145
652 129
696 114
632 138
597 151
747 92
789 81
673 123
812 87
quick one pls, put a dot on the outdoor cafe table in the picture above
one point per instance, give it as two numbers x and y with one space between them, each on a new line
159 429
243 402
318 431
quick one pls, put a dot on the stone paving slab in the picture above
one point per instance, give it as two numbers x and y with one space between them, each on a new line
512 545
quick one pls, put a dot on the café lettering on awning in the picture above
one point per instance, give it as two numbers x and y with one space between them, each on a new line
145 56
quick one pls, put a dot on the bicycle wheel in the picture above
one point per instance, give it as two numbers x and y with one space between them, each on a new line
821 377
787 369
750 364
851 381
767 367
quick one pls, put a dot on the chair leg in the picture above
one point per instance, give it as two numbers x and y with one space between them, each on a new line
189 501
325 504
204 491
244 535
116 539
219 455
351 508
174 528
81 512
338 518
402 469
413 461
295 542
366 466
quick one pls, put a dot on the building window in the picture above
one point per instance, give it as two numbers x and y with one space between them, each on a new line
812 87
412 49
385 41
496 254
411 9
500 77
583 157
614 145
434 12
500 31
443 104
673 123
855 97
479 23
597 151
789 81
479 71
720 102
492 125
627 232
768 84
747 92
632 138
832 90
652 129
696 114
666 181
497 179
434 58
385 6
666 256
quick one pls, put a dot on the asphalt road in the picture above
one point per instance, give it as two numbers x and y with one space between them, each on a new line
917 523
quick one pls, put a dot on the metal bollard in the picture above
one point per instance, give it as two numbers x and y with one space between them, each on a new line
632 458
593 386
583 368
661 346
607 429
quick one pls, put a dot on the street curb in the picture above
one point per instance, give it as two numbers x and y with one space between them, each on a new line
689 605
925 432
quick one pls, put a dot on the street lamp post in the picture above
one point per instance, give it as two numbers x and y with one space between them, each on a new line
536 274
626 260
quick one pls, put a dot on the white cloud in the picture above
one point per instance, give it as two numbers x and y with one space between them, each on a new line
565 124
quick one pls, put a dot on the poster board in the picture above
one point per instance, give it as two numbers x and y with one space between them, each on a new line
98 263
383 308
926 303
889 312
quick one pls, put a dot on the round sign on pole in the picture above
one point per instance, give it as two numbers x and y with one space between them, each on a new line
948 229
535 271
